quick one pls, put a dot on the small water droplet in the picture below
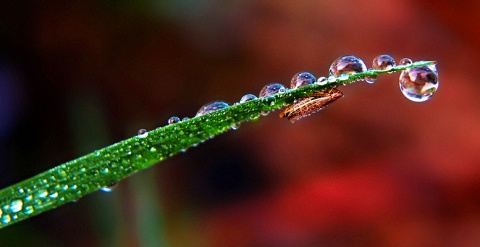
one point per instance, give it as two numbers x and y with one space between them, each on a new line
109 188
173 120
322 81
347 65
247 97
142 133
383 62
16 206
211 107
234 126
302 79
53 195
405 61
371 78
185 118
418 84
42 193
271 89
29 210
153 149
332 79
6 219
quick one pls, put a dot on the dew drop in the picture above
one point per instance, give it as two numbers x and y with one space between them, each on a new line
42 193
211 107
16 206
53 195
272 89
343 77
173 120
29 210
142 133
347 65
247 97
371 78
332 79
383 62
1 212
153 149
418 84
322 81
109 188
6 219
405 61
302 79
185 118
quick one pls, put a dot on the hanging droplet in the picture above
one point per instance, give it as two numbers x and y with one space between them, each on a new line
405 61
347 65
302 79
109 188
173 120
16 206
247 97
383 62
418 84
211 107
371 78
272 89
322 81
142 133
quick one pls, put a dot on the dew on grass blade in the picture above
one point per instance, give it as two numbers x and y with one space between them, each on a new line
383 62
302 79
16 206
371 78
173 120
109 188
142 133
322 81
348 65
418 84
272 89
211 107
405 61
247 97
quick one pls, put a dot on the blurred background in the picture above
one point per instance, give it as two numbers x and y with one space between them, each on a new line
372 169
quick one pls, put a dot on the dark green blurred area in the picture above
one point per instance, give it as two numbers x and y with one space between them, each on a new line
373 169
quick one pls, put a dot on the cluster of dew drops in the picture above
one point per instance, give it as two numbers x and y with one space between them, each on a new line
417 84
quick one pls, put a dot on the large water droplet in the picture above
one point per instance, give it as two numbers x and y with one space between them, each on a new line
109 188
418 84
272 89
173 120
383 62
302 79
16 206
211 107
142 133
247 97
347 65
405 61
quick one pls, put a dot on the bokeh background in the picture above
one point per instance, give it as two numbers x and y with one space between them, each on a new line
373 169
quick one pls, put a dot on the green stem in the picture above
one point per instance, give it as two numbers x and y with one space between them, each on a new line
74 179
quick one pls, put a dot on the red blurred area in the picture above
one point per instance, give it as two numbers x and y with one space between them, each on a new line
372 169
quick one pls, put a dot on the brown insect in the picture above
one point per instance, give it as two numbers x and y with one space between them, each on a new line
304 107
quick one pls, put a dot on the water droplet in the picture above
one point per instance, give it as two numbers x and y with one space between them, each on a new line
53 195
6 219
42 193
322 81
109 188
405 61
371 78
347 65
185 118
418 84
234 126
332 79
383 62
247 97
343 77
16 206
142 133
1 212
271 89
302 79
153 149
211 107
173 120
29 210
